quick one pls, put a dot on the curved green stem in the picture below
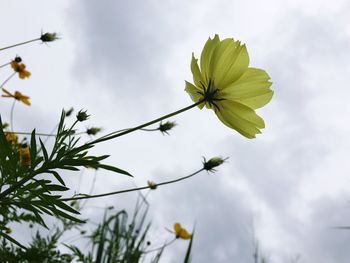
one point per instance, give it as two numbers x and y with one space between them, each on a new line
132 189
113 135
19 44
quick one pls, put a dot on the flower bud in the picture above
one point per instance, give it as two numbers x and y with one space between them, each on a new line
18 59
48 37
212 163
93 130
69 112
82 116
152 185
8 230
164 128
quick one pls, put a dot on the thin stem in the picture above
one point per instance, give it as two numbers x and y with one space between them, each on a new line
162 247
19 44
37 134
132 189
155 129
61 140
113 136
6 80
11 114
4 65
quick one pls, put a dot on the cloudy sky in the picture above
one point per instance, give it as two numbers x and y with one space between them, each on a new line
126 62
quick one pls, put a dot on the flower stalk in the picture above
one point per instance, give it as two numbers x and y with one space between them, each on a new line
133 189
114 135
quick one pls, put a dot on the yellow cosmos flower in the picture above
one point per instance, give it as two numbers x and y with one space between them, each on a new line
24 156
226 84
17 96
21 69
181 232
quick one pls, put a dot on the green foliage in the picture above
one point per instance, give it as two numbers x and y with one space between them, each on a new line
117 239
30 190
40 250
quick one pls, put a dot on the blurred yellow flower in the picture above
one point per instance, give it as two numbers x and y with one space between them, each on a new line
21 69
181 232
17 96
24 156
226 84
11 138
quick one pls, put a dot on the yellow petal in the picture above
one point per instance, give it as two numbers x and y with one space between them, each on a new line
177 227
206 55
184 234
229 61
251 89
197 76
181 232
26 101
193 91
240 118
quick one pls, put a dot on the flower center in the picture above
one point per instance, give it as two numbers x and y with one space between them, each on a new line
210 94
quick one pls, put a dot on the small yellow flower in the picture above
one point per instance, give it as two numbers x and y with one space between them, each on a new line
11 138
181 232
17 96
20 68
226 84
24 156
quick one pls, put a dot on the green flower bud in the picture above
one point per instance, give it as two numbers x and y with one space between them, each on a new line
152 185
48 37
82 116
165 127
69 112
212 163
93 130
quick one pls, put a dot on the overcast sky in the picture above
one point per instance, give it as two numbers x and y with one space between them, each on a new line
126 62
